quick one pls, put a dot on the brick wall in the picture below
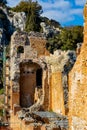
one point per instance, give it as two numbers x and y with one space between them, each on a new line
39 45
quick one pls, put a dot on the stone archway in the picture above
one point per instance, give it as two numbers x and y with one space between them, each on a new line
30 78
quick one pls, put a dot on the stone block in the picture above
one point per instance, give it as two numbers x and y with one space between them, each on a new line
56 129
27 122
43 128
5 128
32 127
16 109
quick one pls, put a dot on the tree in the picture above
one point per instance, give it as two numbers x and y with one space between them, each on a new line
33 18
33 11
23 6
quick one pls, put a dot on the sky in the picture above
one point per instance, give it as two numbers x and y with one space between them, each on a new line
66 12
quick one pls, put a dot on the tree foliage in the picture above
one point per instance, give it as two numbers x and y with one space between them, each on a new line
25 6
33 18
66 40
33 11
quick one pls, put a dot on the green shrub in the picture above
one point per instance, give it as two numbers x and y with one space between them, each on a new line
1 112
1 91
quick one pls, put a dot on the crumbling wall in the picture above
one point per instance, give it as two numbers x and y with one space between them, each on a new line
78 87
32 45
39 47
28 54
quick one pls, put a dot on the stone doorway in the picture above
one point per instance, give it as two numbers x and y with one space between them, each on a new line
30 78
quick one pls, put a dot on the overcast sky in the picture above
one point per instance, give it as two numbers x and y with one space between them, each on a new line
67 12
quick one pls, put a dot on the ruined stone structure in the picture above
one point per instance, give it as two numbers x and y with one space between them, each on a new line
37 84
78 86
43 91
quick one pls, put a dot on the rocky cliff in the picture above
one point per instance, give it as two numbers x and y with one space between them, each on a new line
17 19
9 22
6 28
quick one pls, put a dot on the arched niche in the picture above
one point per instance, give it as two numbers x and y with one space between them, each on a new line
30 78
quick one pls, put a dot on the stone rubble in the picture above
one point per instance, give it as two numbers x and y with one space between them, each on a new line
49 119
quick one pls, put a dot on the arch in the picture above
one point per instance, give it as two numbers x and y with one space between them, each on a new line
30 78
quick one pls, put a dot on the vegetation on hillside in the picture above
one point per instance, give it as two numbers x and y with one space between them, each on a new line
66 40
51 22
33 11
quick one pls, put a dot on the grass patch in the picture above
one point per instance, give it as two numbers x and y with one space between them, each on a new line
1 112
1 91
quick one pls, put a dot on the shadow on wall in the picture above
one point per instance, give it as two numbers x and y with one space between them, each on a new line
30 78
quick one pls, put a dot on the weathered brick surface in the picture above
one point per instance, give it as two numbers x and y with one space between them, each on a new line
5 128
43 128
56 94
78 87
39 45
56 129
16 109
